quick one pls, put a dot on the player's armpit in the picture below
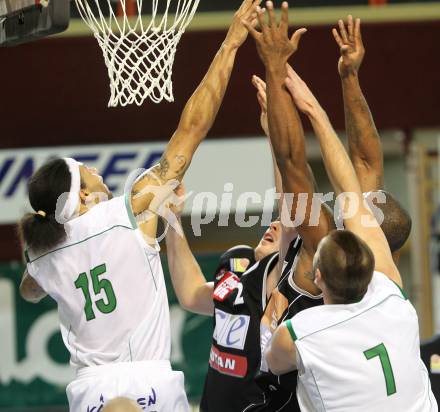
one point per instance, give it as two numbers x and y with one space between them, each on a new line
30 290
370 177
288 234
281 353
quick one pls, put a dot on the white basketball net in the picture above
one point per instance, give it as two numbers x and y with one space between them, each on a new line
139 56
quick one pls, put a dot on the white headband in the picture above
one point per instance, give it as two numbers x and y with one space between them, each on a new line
69 202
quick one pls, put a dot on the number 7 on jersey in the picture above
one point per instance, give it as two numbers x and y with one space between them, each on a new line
382 353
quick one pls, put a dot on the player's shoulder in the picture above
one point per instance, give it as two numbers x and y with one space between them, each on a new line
114 212
319 318
382 284
309 320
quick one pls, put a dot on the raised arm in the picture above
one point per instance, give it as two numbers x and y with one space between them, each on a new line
343 177
193 292
287 233
200 111
260 85
285 128
364 143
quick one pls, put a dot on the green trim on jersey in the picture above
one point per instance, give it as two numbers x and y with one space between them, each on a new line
290 329
130 211
81 241
352 317
404 294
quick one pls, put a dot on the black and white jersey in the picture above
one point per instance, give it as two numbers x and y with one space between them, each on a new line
235 355
286 301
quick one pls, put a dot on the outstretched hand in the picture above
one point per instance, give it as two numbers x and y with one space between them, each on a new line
301 94
260 85
273 43
246 14
350 44
180 192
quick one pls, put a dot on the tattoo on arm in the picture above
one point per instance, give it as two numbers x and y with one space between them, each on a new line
180 164
164 166
173 169
308 274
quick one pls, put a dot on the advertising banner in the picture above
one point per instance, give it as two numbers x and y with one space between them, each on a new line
230 169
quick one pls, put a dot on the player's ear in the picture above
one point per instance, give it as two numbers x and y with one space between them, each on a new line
83 194
318 278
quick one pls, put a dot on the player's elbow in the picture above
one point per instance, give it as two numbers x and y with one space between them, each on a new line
29 296
279 363
30 291
199 302
188 304
273 363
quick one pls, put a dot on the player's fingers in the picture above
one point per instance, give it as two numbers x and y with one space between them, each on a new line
250 18
290 71
357 32
284 22
250 28
350 27
262 102
256 3
262 93
338 38
255 81
251 13
343 31
271 13
296 37
260 18
249 4
292 74
261 83
290 85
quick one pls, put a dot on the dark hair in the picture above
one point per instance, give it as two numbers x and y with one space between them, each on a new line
38 232
236 252
397 222
346 264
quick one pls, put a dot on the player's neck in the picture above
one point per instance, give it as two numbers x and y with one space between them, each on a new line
84 208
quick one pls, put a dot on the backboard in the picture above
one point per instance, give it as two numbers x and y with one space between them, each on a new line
22 21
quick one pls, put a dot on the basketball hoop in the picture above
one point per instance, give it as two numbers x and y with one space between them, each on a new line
139 54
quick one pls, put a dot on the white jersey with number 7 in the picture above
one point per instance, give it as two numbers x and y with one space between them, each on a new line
362 357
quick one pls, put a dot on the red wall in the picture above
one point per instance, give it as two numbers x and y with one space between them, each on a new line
55 92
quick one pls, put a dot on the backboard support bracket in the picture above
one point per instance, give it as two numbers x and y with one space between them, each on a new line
34 22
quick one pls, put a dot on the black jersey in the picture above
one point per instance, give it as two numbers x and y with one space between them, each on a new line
286 301
235 355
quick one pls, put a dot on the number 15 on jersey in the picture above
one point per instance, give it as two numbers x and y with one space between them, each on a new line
98 286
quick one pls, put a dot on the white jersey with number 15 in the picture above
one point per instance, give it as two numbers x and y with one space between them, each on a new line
109 287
